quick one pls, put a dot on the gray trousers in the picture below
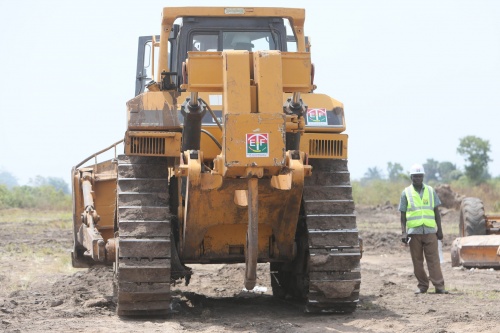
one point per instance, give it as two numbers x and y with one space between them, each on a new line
426 246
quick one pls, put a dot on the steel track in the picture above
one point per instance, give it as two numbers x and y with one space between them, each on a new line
333 259
143 263
326 271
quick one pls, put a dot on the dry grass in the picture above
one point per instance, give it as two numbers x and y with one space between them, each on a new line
380 220
31 215
383 192
35 265
42 250
489 193
466 291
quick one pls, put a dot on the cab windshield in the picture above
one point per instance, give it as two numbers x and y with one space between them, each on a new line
234 40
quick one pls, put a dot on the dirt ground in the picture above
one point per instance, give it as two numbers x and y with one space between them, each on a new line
36 298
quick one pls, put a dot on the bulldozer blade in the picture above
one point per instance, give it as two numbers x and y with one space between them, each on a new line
476 251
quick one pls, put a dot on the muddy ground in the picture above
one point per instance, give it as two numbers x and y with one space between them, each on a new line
36 297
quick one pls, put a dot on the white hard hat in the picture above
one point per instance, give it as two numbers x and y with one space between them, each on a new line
417 169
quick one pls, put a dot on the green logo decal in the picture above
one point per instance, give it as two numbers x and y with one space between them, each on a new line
257 145
317 117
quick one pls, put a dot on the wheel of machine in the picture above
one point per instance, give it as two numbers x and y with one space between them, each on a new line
143 263
326 270
472 218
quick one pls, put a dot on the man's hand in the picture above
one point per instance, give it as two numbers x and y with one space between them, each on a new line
405 238
440 234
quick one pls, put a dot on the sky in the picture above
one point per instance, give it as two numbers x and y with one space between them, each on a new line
414 77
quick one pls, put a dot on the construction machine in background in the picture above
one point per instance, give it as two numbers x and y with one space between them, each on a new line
229 157
479 241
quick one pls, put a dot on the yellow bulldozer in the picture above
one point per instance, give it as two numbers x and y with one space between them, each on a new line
479 241
229 157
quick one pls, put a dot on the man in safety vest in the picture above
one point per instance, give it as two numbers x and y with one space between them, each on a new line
421 227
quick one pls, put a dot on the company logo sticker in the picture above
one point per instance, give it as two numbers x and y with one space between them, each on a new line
317 117
257 144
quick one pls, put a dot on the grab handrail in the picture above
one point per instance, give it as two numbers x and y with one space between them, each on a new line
98 153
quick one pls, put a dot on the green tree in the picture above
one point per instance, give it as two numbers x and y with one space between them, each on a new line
431 168
395 171
7 179
476 153
58 183
372 174
4 196
448 172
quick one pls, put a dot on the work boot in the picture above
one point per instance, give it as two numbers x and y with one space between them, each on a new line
441 291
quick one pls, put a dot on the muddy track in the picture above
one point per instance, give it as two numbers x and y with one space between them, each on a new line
333 245
143 274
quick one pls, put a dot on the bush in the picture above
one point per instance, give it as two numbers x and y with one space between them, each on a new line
378 192
26 197
488 192
4 197
381 191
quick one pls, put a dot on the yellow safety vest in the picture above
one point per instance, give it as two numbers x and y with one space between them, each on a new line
420 211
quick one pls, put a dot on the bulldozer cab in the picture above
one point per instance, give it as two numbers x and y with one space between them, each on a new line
210 34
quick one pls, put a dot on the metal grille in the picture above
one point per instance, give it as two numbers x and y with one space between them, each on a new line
147 146
326 148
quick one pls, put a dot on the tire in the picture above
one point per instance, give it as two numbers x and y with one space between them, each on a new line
472 218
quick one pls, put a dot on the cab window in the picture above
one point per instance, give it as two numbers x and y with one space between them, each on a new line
248 40
205 42
234 40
